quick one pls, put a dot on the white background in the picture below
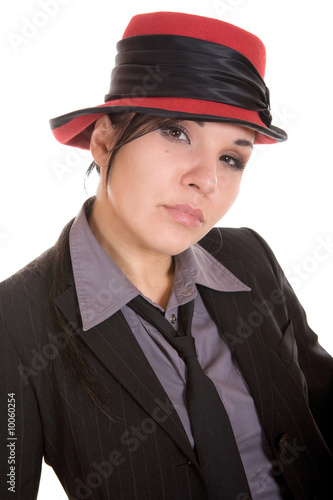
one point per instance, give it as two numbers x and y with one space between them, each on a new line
59 59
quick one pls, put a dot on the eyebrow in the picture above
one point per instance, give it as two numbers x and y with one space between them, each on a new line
237 142
243 142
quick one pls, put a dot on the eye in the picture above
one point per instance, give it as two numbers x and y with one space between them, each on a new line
176 132
233 162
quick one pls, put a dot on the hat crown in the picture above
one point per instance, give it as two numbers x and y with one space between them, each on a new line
204 28
178 65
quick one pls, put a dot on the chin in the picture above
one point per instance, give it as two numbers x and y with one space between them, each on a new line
178 243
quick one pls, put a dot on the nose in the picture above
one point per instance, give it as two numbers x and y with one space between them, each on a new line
201 174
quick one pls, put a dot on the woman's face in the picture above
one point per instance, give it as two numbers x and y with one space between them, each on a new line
168 188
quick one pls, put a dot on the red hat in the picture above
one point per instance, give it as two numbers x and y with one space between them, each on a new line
182 66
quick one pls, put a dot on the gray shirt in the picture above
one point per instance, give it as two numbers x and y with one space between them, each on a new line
103 289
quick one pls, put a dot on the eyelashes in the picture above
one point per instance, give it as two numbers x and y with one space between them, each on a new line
175 132
178 133
234 162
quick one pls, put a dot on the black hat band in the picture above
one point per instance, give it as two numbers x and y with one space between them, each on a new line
185 67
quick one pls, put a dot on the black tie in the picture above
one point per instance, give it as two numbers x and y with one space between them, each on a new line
215 443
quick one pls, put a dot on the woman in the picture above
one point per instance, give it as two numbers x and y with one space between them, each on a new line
98 381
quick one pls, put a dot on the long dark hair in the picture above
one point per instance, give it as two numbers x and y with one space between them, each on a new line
127 128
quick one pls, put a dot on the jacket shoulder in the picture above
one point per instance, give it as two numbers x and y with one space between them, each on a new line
241 244
30 277
34 280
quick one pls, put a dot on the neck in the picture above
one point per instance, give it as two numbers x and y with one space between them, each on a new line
151 273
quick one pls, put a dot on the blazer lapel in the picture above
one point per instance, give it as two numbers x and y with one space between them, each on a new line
115 346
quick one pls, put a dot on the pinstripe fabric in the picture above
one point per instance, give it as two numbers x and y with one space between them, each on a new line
144 453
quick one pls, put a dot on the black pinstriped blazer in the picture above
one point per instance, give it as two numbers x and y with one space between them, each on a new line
144 452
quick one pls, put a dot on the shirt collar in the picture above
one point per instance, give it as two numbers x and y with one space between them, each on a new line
102 288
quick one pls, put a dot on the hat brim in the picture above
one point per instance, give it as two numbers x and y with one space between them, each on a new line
75 128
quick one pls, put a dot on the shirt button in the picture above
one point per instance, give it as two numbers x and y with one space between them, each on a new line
186 292
173 319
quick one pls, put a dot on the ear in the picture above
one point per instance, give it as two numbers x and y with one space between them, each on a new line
101 140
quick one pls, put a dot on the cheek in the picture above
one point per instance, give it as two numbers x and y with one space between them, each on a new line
130 190
229 183
120 184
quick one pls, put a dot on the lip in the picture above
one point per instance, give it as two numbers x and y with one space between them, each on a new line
185 214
